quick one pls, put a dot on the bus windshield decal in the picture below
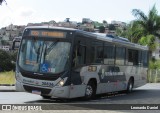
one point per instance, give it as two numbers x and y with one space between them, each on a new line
56 34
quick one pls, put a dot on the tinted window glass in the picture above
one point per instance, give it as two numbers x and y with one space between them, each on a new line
120 55
97 52
109 51
133 57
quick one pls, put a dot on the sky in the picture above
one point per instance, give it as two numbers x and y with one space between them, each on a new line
21 12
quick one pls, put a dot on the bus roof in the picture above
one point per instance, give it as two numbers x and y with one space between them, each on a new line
118 41
98 36
50 27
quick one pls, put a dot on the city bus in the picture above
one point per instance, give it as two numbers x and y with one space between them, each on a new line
57 62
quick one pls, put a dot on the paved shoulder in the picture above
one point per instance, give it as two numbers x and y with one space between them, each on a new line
7 88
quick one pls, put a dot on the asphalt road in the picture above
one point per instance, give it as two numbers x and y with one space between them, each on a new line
148 94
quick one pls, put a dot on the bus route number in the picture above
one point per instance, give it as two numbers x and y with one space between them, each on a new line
35 33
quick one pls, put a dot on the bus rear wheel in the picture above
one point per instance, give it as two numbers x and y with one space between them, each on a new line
130 86
90 91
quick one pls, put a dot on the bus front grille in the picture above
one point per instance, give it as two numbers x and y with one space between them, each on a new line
42 90
40 77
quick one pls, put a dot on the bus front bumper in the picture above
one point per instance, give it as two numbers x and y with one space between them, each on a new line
55 92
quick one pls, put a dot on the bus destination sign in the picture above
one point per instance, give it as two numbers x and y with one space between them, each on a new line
55 34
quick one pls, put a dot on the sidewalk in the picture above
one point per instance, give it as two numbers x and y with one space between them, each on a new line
7 88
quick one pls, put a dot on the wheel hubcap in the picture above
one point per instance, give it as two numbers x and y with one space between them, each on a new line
89 91
130 87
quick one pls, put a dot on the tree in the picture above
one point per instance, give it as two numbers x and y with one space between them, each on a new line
111 27
105 23
148 27
147 24
3 42
102 29
130 32
149 41
2 1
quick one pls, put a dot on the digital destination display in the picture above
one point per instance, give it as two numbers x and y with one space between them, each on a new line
55 34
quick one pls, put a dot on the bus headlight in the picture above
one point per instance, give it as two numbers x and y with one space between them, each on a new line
61 83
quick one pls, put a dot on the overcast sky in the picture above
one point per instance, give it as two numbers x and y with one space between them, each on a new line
21 12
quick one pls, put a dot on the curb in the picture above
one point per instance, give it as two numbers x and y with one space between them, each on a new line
8 91
7 84
9 88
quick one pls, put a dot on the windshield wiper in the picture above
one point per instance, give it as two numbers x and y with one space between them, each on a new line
52 46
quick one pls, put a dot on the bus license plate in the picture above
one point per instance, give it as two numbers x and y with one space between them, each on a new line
36 92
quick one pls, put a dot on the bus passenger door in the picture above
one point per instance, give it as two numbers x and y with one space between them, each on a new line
78 62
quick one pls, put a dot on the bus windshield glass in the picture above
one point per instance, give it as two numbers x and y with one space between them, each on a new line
44 56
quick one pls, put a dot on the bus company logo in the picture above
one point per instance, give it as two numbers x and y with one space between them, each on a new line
6 107
102 74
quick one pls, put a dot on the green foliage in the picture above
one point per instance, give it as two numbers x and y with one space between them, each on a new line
154 64
111 27
101 29
149 41
3 42
131 32
97 24
5 61
14 55
147 24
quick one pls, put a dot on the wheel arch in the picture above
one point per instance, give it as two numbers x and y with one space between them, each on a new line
131 79
94 80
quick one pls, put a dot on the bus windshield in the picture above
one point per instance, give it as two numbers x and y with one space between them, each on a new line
44 56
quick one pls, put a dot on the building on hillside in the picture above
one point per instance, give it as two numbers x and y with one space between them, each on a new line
38 24
11 31
119 24
5 48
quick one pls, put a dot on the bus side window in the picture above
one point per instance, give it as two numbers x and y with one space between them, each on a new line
120 55
109 53
133 57
97 52
99 57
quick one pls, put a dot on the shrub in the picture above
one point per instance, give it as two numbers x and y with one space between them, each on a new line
13 56
154 64
5 61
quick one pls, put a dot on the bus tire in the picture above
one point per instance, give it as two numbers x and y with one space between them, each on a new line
45 97
90 91
130 85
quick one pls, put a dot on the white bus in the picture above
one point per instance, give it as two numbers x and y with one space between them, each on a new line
67 63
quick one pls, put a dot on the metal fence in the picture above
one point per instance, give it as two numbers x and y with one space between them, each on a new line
153 75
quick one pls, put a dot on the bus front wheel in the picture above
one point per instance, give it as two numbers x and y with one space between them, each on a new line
46 97
90 91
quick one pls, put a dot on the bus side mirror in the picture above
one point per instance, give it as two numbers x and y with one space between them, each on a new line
23 47
13 46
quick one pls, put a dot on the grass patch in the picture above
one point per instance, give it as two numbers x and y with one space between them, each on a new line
7 77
